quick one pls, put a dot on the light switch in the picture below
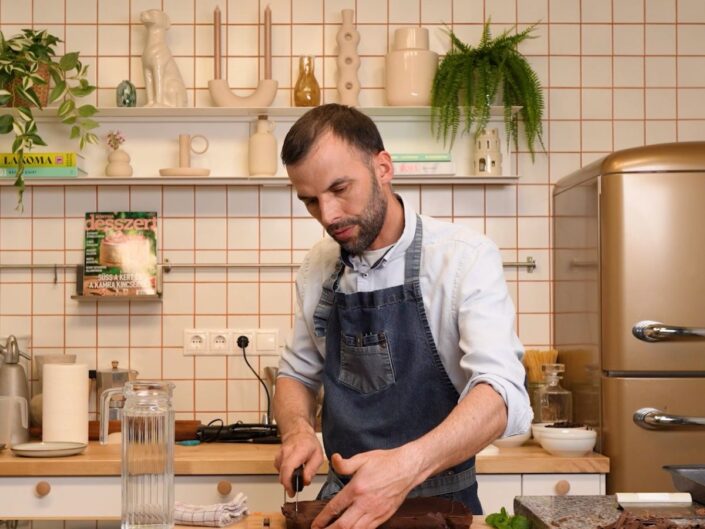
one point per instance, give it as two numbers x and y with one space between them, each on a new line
267 340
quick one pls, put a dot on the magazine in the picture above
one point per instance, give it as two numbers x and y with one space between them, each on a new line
120 254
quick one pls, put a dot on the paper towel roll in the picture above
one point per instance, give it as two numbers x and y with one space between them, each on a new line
65 399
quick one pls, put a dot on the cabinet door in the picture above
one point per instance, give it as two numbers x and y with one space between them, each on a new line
60 497
497 491
264 493
562 484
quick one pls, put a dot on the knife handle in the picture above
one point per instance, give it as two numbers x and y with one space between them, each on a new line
297 479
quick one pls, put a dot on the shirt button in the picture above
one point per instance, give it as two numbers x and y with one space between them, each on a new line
364 274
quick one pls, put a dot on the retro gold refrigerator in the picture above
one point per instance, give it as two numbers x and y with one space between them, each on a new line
629 307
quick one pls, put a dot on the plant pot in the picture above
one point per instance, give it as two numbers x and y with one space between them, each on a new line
118 164
42 90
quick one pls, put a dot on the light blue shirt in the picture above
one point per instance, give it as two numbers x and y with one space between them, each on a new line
469 310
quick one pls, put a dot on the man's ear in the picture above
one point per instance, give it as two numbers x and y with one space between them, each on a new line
384 169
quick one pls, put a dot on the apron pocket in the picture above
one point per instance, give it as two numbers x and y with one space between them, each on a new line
365 363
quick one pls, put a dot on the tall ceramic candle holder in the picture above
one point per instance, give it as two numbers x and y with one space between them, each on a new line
410 68
487 160
348 60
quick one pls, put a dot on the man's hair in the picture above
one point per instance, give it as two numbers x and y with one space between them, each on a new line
348 124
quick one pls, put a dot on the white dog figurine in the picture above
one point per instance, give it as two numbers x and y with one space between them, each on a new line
165 87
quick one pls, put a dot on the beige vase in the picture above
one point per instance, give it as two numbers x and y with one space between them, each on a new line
410 68
118 164
262 149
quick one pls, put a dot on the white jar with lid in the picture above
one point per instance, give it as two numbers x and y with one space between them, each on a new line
410 68
262 149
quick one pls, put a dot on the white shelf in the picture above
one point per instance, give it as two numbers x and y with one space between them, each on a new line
241 181
220 114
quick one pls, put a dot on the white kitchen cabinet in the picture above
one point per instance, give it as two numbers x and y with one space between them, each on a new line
99 496
562 484
498 490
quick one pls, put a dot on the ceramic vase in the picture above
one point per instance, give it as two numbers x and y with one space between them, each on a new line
262 149
348 60
307 93
487 159
118 164
126 94
410 68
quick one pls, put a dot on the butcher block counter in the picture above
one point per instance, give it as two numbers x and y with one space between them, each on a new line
88 485
276 520
228 459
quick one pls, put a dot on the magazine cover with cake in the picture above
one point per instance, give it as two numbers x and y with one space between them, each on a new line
120 254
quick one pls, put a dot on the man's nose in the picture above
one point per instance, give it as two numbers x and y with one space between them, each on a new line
330 213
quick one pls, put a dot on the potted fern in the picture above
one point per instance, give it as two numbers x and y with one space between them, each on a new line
27 63
469 79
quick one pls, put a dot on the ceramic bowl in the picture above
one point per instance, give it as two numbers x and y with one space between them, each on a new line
568 442
514 440
538 428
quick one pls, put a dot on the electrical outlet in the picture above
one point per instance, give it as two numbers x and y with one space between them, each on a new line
218 341
195 342
236 333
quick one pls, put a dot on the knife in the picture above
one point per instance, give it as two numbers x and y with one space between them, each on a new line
297 483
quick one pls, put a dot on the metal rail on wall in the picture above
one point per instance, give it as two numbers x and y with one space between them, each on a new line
167 266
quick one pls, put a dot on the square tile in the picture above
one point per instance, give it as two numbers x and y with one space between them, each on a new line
79 200
690 11
469 201
112 70
147 362
81 331
535 329
16 299
113 198
210 396
501 11
210 298
660 10
564 39
468 11
596 39
178 202
564 136
243 234
532 11
502 231
596 11
47 234
173 331
47 298
82 37
178 234
275 298
48 202
534 296
628 71
307 12
275 202
628 103
211 201
597 103
10 205
533 200
177 365
275 233
660 71
113 331
690 72
306 233
243 298
48 12
628 39
18 12
178 298
113 40
534 171
500 201
690 103
146 198
597 71
211 234
660 132
436 11
436 201
597 136
660 39
628 11
564 71
16 234
532 232
564 103
661 103
111 12
183 400
628 134
210 367
564 11
145 331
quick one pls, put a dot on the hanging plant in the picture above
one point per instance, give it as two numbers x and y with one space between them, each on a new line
469 79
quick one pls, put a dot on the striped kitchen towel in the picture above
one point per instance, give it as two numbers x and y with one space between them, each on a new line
217 515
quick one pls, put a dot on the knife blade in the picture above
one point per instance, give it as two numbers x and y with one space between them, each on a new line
297 483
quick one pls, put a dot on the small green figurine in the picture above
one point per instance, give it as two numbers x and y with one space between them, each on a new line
126 94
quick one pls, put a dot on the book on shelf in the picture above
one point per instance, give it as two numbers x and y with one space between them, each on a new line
43 159
424 168
421 157
120 254
44 172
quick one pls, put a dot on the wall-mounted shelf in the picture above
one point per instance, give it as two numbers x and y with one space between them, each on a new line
221 114
241 181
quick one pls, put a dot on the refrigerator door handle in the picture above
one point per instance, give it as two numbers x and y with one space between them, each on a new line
654 331
655 419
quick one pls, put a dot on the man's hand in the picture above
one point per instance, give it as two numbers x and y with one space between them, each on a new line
298 448
381 480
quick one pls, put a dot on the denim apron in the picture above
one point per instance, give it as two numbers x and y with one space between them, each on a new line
384 383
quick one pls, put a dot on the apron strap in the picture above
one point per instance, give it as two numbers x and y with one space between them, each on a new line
325 304
412 259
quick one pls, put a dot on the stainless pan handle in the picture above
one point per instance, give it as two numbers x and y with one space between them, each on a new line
655 419
654 331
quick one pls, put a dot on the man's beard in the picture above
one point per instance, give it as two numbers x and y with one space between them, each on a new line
369 223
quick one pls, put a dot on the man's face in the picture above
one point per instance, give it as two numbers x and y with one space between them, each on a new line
338 186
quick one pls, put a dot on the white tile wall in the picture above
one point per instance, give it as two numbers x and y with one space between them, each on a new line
617 73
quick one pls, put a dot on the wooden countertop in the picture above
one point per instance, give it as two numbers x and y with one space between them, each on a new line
254 521
229 459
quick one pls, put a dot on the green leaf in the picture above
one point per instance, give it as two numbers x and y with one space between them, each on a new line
69 61
66 107
81 92
25 114
87 111
57 91
37 140
6 121
90 124
70 120
520 522
75 132
92 138
29 95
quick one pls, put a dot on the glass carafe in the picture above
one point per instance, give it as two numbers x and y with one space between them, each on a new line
555 402
148 455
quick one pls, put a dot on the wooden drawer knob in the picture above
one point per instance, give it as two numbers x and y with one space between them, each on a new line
224 487
562 487
42 489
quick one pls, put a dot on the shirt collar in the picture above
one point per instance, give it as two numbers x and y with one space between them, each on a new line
398 249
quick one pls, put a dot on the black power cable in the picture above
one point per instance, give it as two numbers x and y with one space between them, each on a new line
242 343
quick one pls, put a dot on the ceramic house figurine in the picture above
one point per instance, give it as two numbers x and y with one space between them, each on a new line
162 78
488 158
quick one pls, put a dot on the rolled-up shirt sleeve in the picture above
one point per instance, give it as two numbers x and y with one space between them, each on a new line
490 349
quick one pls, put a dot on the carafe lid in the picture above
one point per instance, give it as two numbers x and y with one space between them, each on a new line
11 351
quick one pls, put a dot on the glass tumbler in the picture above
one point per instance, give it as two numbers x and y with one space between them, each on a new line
148 455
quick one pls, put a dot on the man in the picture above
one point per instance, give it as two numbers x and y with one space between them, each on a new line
407 323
